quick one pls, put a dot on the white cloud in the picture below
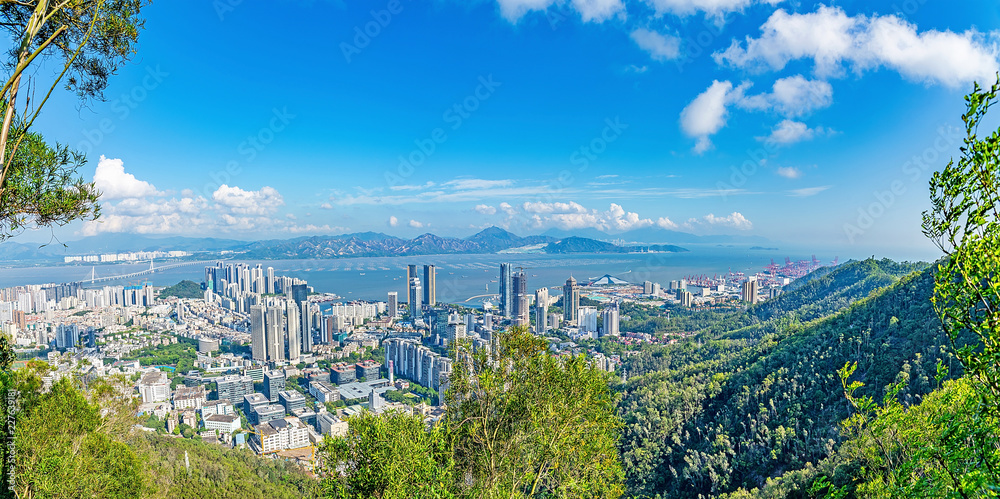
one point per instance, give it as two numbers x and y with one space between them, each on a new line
589 10
735 220
598 10
660 47
790 132
110 178
789 172
707 113
239 201
393 221
326 206
833 40
712 8
415 224
666 223
486 209
507 208
807 191
793 96
541 207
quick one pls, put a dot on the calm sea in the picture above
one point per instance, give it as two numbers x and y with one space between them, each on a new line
459 277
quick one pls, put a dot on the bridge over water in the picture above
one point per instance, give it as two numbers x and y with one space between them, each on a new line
152 269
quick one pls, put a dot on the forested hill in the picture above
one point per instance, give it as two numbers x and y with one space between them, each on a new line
742 405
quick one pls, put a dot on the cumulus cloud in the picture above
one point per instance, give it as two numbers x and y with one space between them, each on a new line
415 224
557 207
110 178
790 132
326 206
660 47
835 41
239 201
486 209
666 223
707 113
735 220
789 172
393 221
793 96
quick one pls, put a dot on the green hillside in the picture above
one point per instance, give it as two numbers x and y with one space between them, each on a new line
183 289
753 403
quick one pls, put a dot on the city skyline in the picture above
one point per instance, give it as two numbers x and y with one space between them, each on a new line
610 115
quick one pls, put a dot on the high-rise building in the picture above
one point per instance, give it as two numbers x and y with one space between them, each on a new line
571 301
587 320
647 288
269 281
686 298
258 341
610 320
415 297
305 318
300 293
750 290
392 306
234 387
275 333
505 295
274 382
430 285
541 308
294 335
520 314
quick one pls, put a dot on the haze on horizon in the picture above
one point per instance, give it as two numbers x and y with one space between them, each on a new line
810 124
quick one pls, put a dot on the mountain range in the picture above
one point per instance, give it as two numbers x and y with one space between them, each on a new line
489 240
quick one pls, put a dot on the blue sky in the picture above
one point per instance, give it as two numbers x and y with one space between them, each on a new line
792 121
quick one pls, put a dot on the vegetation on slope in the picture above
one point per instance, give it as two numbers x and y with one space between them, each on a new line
183 289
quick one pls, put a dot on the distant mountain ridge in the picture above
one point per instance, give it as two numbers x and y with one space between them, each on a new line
489 240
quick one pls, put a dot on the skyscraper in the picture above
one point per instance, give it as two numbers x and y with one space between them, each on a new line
519 300
258 342
541 307
300 293
430 285
269 281
505 294
750 290
571 301
306 328
294 335
415 297
275 334
392 306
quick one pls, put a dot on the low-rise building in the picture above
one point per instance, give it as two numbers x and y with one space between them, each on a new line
251 402
343 373
223 407
268 413
324 391
222 422
154 387
291 400
189 397
280 434
368 369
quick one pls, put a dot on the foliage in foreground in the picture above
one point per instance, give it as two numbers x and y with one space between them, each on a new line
520 423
